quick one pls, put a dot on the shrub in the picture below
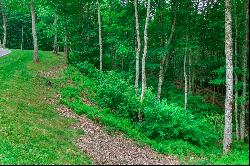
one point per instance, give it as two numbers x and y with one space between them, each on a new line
168 121
161 120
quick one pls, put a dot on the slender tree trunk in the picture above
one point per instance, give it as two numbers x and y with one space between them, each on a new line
235 75
161 77
144 82
138 50
213 94
185 76
22 39
161 73
65 41
100 33
189 73
227 142
4 24
55 46
35 58
4 30
244 75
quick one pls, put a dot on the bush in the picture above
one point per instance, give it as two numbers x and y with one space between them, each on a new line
161 120
168 121
115 92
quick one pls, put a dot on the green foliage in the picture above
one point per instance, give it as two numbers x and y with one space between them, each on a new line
165 126
161 120
168 121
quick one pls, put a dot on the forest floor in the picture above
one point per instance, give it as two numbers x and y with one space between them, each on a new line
32 131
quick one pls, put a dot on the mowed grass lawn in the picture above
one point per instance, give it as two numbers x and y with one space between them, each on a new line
31 132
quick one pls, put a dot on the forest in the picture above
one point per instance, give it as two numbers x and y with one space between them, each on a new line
169 77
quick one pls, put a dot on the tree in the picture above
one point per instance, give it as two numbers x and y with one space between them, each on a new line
164 60
235 74
100 33
55 46
244 77
144 81
4 23
138 50
227 142
65 41
185 75
35 58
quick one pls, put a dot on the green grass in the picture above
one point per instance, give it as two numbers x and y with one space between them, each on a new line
186 152
31 132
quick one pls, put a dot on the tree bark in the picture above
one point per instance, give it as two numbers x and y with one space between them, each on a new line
189 72
100 33
144 82
55 46
185 76
35 57
65 41
161 73
22 39
138 49
235 75
227 141
244 75
4 24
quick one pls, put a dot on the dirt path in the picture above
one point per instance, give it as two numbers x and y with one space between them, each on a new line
105 149
4 52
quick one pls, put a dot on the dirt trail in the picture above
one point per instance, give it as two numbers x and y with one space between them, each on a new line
105 149
4 52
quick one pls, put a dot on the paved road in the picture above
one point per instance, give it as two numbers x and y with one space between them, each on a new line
4 52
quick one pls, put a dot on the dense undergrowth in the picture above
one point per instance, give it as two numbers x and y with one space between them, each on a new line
194 135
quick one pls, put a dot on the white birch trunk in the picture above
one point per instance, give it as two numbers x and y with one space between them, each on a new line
185 77
189 73
138 50
35 58
144 86
161 73
55 46
227 141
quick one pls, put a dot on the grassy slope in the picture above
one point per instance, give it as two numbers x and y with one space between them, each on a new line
30 131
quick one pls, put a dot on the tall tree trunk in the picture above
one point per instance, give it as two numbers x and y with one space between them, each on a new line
161 73
55 46
185 76
22 39
144 82
138 50
65 41
100 33
235 75
227 142
189 72
35 58
244 75
4 24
